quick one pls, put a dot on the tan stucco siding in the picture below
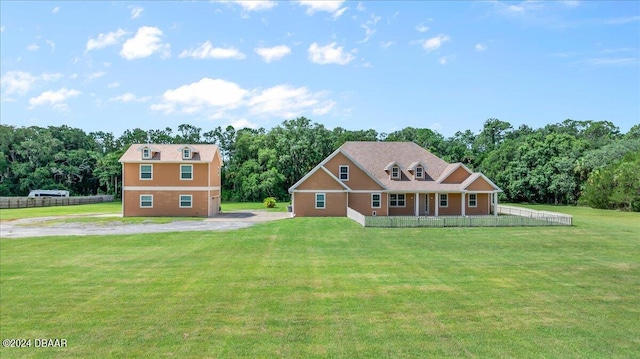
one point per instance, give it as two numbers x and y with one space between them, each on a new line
361 202
358 179
320 180
454 207
480 185
305 203
457 176
483 205
165 174
166 204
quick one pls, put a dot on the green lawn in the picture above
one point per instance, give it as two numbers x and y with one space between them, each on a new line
322 288
85 209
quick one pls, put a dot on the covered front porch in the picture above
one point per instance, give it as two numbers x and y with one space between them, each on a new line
434 204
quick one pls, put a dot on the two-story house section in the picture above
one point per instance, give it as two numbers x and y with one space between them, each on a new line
171 180
392 179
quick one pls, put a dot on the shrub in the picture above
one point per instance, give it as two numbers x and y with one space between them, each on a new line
269 202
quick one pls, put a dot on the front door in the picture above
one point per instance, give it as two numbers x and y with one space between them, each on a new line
426 205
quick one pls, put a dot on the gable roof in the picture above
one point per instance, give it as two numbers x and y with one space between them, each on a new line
376 158
169 153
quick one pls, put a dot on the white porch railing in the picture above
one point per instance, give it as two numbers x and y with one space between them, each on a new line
524 218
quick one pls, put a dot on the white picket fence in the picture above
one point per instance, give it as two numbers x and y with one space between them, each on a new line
525 218
560 218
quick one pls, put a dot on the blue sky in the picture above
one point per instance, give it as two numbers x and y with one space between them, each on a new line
385 65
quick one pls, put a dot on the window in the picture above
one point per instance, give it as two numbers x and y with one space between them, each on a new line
186 172
321 202
419 172
344 173
186 200
473 200
397 200
146 172
186 154
395 172
146 201
375 200
444 200
146 154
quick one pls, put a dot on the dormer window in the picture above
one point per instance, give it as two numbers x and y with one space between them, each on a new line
186 154
419 172
146 153
344 172
395 172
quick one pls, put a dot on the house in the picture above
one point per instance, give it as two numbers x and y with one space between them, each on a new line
171 180
392 179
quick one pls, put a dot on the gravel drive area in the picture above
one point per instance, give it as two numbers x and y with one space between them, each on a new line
33 227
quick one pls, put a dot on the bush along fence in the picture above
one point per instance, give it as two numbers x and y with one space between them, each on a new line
29 202
508 217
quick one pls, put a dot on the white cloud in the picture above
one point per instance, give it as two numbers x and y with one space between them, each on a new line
113 85
207 51
20 82
436 126
217 99
55 9
256 5
434 43
282 101
51 76
33 47
243 123
213 93
368 27
329 54
445 59
54 98
51 44
17 82
95 75
129 97
136 11
273 53
333 7
145 43
386 44
104 40
360 6
480 47
422 28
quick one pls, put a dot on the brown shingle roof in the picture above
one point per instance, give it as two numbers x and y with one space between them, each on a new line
169 153
374 157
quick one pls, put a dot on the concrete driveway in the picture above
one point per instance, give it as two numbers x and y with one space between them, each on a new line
37 227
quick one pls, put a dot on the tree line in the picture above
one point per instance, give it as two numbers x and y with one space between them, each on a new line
571 162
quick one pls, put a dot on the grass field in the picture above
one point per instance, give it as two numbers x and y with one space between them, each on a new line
85 209
330 288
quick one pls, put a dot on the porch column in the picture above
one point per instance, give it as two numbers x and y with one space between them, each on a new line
437 204
495 204
462 205
416 205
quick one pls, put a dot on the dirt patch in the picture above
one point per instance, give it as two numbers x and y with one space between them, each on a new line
31 227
